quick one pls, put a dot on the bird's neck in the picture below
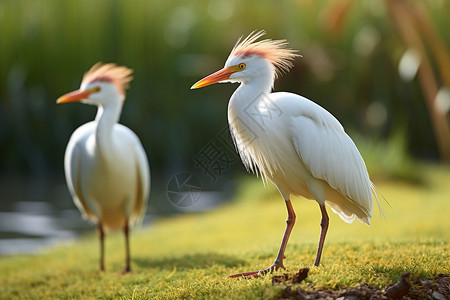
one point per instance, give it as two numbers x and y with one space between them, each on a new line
107 117
248 95
244 117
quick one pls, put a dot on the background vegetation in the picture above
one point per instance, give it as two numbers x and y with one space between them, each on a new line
351 54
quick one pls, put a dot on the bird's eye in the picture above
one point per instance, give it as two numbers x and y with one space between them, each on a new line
241 66
96 89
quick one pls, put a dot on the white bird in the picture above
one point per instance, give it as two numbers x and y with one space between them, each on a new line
106 167
291 141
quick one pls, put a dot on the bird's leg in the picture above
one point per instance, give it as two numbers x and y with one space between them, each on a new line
323 232
101 236
278 263
290 221
127 268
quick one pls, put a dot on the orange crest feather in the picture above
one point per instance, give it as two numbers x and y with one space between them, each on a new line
274 51
120 76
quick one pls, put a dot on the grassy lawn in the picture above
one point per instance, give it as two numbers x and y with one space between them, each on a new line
188 256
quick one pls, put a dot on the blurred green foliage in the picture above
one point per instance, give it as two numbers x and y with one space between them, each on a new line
349 66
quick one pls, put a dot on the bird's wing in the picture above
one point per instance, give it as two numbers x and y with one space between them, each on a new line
143 182
330 154
72 162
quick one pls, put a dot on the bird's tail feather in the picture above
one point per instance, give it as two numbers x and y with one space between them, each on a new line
376 192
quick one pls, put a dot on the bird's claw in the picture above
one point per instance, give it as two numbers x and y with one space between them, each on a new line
252 274
255 274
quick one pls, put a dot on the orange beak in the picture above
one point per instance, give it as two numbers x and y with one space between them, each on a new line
76 96
220 75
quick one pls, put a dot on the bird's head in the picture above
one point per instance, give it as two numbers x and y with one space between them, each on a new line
250 59
101 85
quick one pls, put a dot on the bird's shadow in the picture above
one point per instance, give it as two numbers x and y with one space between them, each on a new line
189 261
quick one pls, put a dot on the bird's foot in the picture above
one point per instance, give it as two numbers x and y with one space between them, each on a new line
126 270
278 264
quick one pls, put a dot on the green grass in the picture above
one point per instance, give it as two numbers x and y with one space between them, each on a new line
188 256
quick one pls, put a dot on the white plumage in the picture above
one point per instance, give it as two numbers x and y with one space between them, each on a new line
308 155
290 140
109 187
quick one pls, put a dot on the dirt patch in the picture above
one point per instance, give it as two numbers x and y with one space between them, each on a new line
298 277
406 288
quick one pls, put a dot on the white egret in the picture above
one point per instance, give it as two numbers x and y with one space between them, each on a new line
291 141
106 167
